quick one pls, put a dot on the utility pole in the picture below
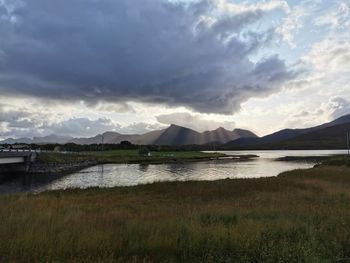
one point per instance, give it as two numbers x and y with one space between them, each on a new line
102 142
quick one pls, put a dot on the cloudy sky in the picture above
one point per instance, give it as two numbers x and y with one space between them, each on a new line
82 67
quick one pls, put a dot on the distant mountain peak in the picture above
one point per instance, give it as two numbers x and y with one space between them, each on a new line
177 126
110 133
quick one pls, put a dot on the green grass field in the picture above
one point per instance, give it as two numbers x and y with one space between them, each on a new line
126 156
300 216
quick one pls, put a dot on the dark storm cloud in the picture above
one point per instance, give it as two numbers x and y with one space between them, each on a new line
194 55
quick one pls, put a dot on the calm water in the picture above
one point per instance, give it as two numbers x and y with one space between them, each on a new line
133 174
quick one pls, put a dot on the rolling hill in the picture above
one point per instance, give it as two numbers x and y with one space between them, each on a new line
328 135
333 137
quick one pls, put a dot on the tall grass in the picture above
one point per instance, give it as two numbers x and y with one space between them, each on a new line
125 156
300 216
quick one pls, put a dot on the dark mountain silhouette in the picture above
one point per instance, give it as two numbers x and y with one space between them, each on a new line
115 137
148 138
177 135
342 120
281 138
222 135
328 137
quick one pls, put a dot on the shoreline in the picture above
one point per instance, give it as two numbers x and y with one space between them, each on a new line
52 169
283 175
64 168
47 172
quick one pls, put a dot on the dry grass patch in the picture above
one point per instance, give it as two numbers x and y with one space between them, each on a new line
300 216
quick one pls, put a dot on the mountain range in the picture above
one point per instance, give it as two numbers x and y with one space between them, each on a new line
173 135
328 135
39 140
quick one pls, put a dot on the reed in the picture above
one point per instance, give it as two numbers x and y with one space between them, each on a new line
126 156
300 216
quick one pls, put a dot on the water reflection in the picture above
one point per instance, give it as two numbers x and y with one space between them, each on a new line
143 167
101 169
110 175
133 174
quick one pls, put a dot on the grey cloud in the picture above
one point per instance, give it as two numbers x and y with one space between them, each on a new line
21 123
17 119
332 109
301 114
196 122
81 127
140 128
84 127
147 50
338 107
114 107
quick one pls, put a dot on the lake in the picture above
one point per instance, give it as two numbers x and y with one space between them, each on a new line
111 175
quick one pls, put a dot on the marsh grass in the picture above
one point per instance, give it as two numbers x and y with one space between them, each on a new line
339 160
300 216
125 156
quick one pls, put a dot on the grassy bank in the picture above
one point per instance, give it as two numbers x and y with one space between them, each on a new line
127 156
300 216
338 161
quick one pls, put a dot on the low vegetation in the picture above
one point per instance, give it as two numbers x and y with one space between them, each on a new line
300 216
127 156
338 161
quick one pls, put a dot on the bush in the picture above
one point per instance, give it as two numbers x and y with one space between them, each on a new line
144 151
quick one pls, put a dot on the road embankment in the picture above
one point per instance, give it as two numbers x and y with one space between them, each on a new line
41 168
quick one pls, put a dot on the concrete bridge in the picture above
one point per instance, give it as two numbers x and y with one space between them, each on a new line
10 157
16 162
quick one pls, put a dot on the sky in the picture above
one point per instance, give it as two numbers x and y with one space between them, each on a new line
82 67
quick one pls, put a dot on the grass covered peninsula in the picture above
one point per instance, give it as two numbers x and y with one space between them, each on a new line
299 216
128 156
61 163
